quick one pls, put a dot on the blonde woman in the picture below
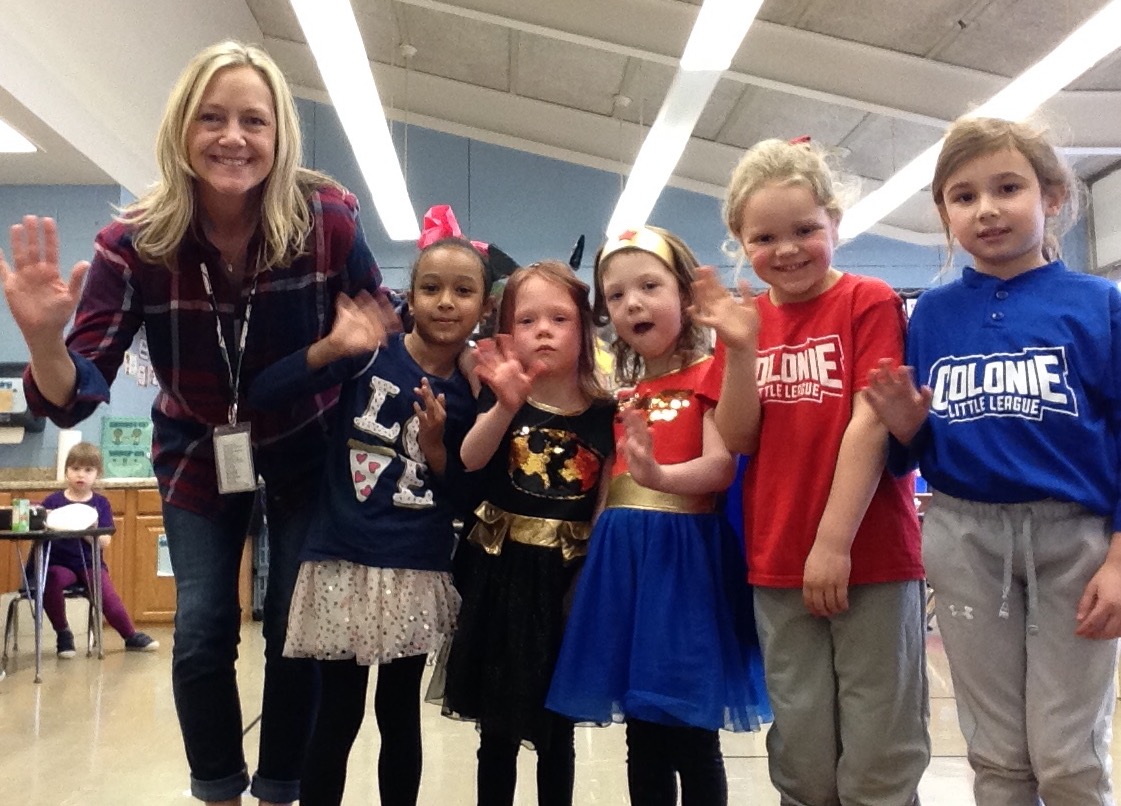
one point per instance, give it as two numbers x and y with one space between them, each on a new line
232 261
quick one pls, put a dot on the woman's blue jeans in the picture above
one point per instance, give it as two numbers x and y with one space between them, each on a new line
206 557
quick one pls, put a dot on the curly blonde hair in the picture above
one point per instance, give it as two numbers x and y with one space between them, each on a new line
785 163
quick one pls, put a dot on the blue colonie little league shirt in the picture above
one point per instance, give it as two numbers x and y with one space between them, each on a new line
1026 381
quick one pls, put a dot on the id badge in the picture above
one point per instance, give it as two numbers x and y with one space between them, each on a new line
233 459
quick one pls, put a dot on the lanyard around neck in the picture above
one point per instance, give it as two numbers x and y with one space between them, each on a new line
234 373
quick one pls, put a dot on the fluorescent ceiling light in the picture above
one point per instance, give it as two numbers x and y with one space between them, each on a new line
12 142
332 34
716 36
1086 46
904 184
662 148
717 33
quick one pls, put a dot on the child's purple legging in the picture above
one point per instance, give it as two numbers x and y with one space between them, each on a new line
54 603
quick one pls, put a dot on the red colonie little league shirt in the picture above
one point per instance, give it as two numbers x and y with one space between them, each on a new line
813 357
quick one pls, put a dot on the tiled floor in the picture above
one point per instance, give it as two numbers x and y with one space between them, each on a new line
105 732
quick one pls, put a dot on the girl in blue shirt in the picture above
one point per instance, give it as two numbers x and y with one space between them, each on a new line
1016 425
374 587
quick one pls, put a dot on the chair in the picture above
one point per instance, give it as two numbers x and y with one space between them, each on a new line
11 623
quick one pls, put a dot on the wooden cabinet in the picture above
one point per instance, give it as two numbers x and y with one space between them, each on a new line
153 594
133 556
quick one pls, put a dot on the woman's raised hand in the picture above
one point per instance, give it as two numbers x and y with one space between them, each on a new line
736 322
41 301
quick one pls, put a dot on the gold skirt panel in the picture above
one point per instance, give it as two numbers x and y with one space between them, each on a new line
495 526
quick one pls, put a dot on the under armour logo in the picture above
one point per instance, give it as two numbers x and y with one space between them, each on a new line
964 612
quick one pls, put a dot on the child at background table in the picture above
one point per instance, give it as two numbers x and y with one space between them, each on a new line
70 561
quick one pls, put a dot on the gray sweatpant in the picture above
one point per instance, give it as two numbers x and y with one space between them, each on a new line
849 694
1035 701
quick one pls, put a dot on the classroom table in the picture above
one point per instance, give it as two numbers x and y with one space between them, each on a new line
40 555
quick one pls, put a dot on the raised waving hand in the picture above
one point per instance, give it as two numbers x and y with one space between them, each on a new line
431 413
736 322
41 301
360 327
637 445
901 406
498 366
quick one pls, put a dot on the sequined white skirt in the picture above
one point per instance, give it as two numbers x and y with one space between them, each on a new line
344 610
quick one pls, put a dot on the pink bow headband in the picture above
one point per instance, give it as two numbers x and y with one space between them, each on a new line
439 223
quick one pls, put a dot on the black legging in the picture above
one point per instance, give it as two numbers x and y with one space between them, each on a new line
657 754
498 767
342 705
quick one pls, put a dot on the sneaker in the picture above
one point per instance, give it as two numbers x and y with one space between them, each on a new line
141 642
66 644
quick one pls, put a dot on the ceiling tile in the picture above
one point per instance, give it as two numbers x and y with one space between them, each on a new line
1105 75
276 19
56 161
567 74
457 47
880 145
767 113
377 23
1089 169
1008 36
783 12
720 106
906 27
918 214
647 89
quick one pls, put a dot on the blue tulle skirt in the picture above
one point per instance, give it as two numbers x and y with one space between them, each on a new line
661 627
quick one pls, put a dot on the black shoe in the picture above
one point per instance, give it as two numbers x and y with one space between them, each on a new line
141 642
66 644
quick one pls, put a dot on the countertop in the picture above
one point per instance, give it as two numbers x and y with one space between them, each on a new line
102 484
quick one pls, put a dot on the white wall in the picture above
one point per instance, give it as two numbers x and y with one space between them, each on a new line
1105 195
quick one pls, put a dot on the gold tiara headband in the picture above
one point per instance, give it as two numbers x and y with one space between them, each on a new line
645 240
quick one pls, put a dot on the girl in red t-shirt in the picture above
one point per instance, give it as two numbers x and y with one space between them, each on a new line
833 540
